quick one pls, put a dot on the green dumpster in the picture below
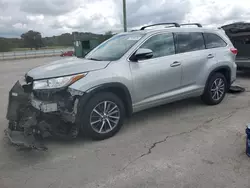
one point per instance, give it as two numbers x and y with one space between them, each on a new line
82 47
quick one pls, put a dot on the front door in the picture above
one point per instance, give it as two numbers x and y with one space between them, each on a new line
158 75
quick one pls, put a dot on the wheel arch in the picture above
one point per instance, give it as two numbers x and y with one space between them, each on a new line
117 88
225 70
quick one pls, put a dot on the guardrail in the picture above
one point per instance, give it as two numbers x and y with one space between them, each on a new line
31 54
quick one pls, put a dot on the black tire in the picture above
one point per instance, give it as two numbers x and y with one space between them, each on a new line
207 97
89 107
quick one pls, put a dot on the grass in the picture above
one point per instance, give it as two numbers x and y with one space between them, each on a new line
20 49
45 48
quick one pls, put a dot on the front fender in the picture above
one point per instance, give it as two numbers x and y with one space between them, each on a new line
108 87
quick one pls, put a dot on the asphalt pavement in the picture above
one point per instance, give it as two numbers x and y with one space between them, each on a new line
181 145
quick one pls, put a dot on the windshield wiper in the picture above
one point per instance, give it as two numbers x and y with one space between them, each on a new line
94 59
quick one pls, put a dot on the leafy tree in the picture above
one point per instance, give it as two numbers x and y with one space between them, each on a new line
109 33
32 39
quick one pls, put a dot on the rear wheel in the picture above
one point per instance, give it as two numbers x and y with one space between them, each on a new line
215 90
103 116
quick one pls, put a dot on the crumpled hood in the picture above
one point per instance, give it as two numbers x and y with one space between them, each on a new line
67 66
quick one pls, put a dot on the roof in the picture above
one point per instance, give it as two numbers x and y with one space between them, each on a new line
174 29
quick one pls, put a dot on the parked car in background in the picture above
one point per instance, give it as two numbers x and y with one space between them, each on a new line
128 73
67 53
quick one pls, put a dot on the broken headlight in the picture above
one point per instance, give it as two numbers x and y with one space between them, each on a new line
59 82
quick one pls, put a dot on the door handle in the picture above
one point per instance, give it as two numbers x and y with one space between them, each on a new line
210 56
175 64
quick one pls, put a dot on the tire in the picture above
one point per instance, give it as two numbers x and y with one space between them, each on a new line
208 96
89 115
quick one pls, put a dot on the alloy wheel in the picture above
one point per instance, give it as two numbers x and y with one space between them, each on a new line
104 117
218 89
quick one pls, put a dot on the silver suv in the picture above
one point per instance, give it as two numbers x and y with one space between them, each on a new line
128 73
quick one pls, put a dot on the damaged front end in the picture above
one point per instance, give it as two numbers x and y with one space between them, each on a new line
36 114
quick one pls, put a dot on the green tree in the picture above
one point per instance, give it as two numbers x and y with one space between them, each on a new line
32 39
109 33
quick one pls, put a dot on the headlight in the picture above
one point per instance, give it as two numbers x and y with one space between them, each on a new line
59 82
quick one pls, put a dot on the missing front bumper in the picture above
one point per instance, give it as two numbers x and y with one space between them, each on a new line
31 120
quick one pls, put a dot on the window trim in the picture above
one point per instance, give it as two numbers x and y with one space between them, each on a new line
217 36
145 40
177 49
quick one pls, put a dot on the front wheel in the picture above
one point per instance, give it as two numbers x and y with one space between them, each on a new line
215 89
102 116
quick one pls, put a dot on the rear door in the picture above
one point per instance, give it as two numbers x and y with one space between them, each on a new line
217 47
193 56
220 45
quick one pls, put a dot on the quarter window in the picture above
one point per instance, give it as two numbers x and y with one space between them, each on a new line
161 45
187 42
213 41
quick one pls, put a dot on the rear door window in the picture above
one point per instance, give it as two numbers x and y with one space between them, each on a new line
188 42
213 41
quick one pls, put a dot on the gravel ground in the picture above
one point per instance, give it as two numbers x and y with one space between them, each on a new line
184 145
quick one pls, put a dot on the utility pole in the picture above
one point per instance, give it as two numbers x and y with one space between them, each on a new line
124 16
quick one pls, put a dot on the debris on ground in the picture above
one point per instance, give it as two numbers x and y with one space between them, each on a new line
236 89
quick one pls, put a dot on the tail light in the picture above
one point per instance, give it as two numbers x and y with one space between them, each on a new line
234 51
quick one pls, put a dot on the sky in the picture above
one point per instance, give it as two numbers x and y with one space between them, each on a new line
54 17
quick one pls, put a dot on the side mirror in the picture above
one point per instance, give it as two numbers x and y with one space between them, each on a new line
143 53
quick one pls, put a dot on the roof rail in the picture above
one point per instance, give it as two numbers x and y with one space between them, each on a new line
173 23
197 24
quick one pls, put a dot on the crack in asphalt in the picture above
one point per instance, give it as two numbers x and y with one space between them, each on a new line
26 181
51 184
182 133
229 115
164 140
153 145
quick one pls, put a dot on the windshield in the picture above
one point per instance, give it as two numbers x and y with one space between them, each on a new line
114 48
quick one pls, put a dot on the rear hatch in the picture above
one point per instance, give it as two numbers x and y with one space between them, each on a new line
239 34
242 43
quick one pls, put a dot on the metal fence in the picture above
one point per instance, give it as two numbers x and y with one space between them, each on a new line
32 53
